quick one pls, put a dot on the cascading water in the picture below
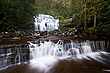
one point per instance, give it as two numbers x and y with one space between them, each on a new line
63 56
69 49
46 54
13 56
45 23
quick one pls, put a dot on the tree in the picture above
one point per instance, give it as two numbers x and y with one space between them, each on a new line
95 14
16 14
85 6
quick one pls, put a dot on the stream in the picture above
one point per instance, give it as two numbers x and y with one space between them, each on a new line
54 54
60 55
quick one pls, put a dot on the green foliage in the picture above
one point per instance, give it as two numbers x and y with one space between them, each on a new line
75 16
103 12
84 10
18 14
15 14
65 23
72 29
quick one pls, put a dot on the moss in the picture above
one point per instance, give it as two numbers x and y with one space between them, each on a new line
71 29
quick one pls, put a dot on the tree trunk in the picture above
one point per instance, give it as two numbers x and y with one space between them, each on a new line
64 1
85 23
95 15
80 4
95 19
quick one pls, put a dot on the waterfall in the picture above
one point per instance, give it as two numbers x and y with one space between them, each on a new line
45 23
15 55
72 49
46 54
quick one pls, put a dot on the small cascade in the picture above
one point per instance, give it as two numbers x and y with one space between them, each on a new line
45 23
46 54
13 55
72 49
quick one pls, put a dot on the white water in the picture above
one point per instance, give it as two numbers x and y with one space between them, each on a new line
46 54
12 56
45 23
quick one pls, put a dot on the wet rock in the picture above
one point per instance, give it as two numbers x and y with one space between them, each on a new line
36 36
42 33
16 38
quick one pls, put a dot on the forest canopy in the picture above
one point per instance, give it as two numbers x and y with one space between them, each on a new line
86 15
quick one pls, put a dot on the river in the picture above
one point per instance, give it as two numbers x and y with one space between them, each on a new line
57 55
